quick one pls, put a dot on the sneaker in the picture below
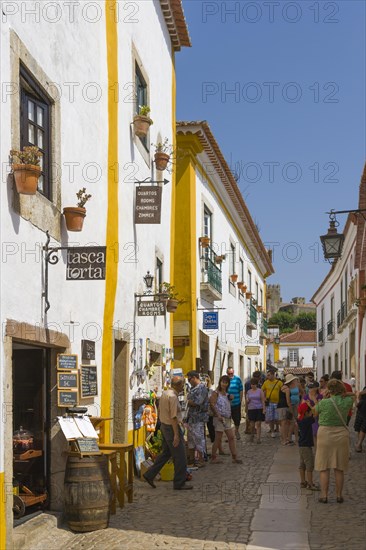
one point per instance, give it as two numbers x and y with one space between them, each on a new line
237 436
273 434
149 481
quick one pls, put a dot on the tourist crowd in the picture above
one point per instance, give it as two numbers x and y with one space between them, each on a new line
301 411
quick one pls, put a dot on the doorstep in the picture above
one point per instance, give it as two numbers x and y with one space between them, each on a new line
33 529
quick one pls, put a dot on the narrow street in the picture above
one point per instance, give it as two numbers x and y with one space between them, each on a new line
254 506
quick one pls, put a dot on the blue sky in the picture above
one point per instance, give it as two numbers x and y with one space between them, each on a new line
294 124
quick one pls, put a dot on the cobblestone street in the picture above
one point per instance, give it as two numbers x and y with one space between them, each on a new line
254 506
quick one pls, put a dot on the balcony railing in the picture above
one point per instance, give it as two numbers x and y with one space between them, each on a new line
321 336
211 275
265 327
343 312
252 317
339 322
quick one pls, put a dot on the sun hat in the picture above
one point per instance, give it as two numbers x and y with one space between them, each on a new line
289 378
302 409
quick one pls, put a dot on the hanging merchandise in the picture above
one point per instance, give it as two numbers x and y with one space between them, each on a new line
149 418
134 363
137 421
141 372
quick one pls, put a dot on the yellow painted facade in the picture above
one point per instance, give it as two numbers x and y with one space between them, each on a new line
112 212
173 183
2 512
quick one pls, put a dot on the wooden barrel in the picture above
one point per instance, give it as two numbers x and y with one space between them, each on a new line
87 493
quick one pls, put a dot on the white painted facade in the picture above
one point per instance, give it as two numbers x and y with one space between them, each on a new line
66 53
337 314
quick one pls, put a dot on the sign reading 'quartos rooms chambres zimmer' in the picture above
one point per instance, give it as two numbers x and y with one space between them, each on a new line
86 263
148 204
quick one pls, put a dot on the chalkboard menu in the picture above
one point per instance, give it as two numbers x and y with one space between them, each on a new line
67 380
67 361
67 398
88 349
89 381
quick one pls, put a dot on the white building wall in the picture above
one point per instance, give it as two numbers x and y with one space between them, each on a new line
339 351
233 332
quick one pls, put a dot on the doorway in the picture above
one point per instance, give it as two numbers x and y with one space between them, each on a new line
31 421
120 392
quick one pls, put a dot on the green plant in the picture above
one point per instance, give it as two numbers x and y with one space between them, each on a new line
169 290
163 147
145 111
28 155
82 197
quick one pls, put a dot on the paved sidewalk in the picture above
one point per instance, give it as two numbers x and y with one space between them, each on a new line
254 506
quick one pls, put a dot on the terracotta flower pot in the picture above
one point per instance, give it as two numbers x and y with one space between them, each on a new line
205 241
171 305
26 178
248 295
74 217
141 125
161 161
234 277
218 259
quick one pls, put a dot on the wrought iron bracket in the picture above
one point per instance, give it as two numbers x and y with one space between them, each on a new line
149 180
50 257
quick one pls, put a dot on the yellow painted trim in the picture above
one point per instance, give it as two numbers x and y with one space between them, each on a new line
2 512
112 212
173 191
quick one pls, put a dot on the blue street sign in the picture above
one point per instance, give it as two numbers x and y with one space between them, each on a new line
211 320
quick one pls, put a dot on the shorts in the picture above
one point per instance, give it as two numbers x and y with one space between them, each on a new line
222 426
236 414
255 415
196 437
306 459
271 414
282 413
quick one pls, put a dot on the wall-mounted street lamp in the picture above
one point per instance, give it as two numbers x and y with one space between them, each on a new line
333 241
148 280
277 340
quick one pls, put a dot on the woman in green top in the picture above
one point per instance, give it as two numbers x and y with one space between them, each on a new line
333 438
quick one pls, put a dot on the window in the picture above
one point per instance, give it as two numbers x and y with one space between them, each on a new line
345 287
232 259
293 355
336 362
329 365
346 358
249 366
249 281
230 360
141 99
35 126
207 223
158 274
323 366
256 292
241 270
261 297
341 354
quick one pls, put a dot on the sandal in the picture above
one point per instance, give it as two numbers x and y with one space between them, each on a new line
358 449
313 487
237 461
216 461
323 500
304 484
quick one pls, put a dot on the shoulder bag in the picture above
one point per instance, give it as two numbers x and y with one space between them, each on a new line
269 397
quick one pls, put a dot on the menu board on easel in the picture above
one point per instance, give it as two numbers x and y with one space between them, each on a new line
89 380
67 361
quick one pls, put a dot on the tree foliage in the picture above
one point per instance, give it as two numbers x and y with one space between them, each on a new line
287 322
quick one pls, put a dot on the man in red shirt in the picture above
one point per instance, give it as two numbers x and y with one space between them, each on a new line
337 374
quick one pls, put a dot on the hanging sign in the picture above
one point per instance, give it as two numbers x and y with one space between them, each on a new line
67 361
67 380
88 349
67 398
148 204
89 380
147 308
252 350
210 320
86 263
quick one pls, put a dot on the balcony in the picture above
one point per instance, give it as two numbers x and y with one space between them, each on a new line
211 283
339 322
321 337
330 330
264 329
252 317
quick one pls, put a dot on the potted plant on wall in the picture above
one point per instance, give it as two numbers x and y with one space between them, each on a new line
204 241
74 215
163 150
241 286
142 122
248 295
233 277
166 289
26 169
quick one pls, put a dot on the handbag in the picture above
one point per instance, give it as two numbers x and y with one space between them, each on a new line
267 400
339 414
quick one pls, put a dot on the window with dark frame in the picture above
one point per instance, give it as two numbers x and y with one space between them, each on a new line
141 98
158 274
35 125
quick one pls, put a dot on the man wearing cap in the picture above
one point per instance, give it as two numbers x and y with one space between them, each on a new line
271 387
170 417
197 416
